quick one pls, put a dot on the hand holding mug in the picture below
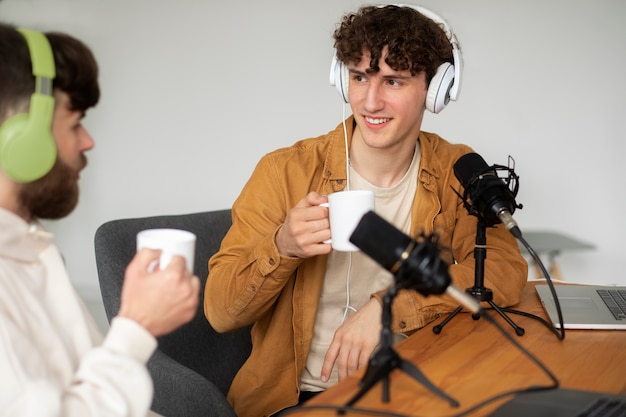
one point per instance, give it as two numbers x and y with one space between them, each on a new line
160 292
305 227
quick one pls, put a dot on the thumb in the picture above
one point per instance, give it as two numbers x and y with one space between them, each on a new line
315 199
143 259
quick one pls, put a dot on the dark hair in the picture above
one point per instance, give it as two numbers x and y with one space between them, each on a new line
415 42
76 71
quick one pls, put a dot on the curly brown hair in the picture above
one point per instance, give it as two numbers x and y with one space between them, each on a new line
415 42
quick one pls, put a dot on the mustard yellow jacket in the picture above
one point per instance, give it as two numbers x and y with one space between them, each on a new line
250 282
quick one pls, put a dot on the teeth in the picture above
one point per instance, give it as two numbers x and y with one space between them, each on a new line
376 121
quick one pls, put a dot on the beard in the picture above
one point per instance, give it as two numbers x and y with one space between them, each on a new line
55 195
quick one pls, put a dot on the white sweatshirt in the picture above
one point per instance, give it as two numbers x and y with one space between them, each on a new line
53 359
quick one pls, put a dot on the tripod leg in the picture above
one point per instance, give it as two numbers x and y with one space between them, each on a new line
379 368
518 330
416 374
386 389
383 362
439 327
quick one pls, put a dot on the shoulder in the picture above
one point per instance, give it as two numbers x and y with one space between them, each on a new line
313 148
440 145
440 151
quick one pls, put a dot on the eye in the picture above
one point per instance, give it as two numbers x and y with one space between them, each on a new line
359 78
394 83
77 120
77 125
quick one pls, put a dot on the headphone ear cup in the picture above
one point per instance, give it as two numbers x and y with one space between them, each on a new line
339 78
27 148
438 94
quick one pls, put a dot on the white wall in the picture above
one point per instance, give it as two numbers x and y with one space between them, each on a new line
194 92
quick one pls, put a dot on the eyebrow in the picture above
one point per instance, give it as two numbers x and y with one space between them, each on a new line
355 71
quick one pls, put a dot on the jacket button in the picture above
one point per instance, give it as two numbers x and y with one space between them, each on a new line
271 261
402 324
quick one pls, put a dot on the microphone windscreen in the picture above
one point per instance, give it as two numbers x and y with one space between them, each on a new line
468 166
379 240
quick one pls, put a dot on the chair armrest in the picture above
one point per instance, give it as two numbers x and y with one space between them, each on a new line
180 391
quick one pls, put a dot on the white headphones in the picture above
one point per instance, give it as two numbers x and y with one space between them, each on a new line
444 86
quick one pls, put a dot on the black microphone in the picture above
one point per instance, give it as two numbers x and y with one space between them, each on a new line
415 263
490 196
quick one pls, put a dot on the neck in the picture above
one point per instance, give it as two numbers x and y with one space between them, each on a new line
383 168
9 197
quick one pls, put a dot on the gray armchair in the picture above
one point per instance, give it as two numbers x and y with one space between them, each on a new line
193 367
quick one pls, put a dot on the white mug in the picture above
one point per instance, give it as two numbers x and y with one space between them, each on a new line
346 208
171 242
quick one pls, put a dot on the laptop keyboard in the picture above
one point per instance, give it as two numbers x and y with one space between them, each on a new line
615 300
605 407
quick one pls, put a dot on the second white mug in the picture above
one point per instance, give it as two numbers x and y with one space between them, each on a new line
171 242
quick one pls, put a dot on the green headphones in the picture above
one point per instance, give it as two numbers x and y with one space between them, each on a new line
27 148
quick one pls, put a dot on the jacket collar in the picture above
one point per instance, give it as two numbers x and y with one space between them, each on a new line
430 164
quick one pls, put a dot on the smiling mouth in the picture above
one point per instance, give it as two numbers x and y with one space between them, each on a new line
376 121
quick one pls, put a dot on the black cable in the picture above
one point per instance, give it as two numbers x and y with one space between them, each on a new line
560 333
546 323
341 410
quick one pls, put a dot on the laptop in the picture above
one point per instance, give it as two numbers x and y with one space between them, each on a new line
563 403
586 306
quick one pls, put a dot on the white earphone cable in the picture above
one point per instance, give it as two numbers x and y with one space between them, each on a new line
347 307
345 141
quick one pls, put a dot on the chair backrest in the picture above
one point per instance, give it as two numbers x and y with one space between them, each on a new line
195 345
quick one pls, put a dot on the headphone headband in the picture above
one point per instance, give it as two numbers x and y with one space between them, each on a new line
456 53
40 55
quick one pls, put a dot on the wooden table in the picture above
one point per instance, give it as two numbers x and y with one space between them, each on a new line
472 361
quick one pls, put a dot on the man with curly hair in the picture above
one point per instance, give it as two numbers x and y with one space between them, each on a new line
316 311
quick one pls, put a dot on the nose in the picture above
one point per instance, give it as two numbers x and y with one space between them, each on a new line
86 140
374 97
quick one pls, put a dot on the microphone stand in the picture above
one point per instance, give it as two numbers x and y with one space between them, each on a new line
386 359
479 291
